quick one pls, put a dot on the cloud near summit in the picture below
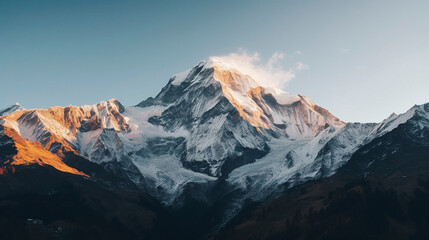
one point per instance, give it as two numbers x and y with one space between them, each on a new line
268 74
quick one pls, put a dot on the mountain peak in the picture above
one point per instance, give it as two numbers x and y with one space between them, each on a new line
215 81
231 76
219 67
115 104
220 63
11 109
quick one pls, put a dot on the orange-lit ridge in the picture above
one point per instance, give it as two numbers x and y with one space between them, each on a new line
232 84
33 153
43 136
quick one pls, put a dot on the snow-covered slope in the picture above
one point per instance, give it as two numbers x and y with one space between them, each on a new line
294 161
394 120
298 161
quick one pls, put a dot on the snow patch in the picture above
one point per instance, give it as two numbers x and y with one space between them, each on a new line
180 77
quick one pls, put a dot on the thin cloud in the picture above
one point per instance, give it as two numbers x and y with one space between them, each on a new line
301 66
344 50
270 74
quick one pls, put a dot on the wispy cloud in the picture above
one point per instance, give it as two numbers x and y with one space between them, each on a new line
300 66
344 50
269 74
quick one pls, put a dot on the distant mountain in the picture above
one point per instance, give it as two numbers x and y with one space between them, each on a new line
213 140
12 108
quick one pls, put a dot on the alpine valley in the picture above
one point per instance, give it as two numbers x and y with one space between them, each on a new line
214 155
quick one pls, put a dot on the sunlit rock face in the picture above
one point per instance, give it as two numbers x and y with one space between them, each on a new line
50 133
17 151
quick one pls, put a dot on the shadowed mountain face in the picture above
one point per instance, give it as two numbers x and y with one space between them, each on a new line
381 193
212 144
43 203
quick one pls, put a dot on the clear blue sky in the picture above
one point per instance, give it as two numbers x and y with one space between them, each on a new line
366 59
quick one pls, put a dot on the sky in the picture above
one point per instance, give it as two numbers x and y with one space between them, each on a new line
361 60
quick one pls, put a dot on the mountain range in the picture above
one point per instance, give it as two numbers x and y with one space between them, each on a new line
215 155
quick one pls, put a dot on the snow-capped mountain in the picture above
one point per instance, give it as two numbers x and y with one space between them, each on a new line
209 123
219 123
229 118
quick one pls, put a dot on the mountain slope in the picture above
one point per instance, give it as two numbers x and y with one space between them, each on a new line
28 153
380 193
43 203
